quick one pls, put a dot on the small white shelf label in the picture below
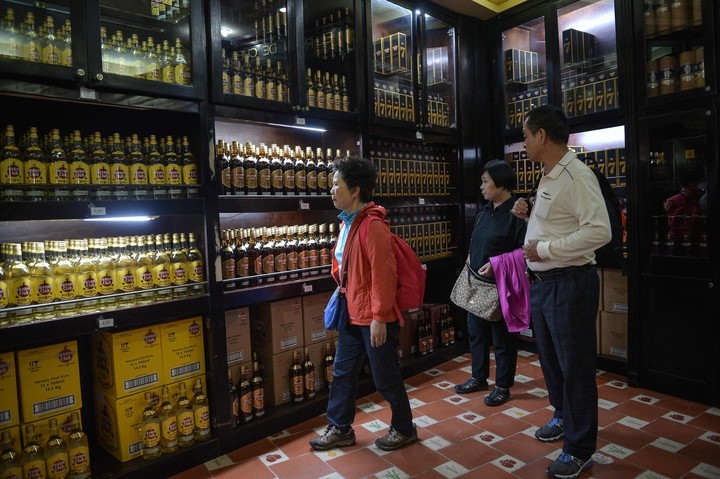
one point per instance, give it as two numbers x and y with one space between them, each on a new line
304 205
421 201
97 211
307 288
300 121
104 323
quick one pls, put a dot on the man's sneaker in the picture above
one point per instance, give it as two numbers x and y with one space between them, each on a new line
471 385
568 467
552 431
497 397
333 437
395 440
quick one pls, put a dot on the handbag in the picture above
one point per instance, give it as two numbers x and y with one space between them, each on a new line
478 296
336 311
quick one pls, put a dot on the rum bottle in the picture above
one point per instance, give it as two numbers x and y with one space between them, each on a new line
263 167
246 396
288 168
251 170
236 169
310 172
150 429
36 175
12 168
79 169
86 278
322 175
49 44
173 170
57 462
201 412
156 170
138 169
276 171
119 169
300 172
144 273
33 462
309 375
42 282
313 251
99 170
178 268
125 274
183 72
161 269
168 423
58 169
227 256
10 464
17 276
310 96
185 418
291 254
297 384
78 451
195 261
222 162
31 49
258 390
234 400
65 287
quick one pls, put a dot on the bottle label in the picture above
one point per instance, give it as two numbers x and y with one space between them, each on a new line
292 261
65 287
268 264
202 417
297 386
66 57
35 173
100 174
251 179
79 173
248 87
197 271
186 422
42 289
322 183
260 88
226 178
277 179
125 279
119 174
190 174
320 99
161 275
237 84
264 178
3 294
20 292
313 258
144 277
182 74
242 268
88 284
289 181
310 97
237 176
138 174
270 91
324 257
106 281
169 431
258 265
34 468
168 74
79 459
281 262
310 382
173 174
329 369
228 269
178 273
303 261
301 180
57 466
246 403
156 174
259 398
151 435
12 172
13 472
58 173
311 179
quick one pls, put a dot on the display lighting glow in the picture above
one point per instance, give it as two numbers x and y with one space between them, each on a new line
299 127
225 32
127 219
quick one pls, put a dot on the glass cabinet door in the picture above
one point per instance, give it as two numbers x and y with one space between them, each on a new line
439 73
330 60
588 57
525 65
254 50
149 46
678 38
40 33
391 61
678 173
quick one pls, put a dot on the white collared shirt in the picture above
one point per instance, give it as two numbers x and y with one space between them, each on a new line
569 216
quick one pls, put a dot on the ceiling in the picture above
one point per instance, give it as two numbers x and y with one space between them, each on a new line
482 9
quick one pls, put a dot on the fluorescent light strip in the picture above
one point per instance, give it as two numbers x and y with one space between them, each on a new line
128 219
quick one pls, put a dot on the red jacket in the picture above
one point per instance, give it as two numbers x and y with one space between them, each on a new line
372 278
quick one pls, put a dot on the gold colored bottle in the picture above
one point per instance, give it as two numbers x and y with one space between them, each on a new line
35 166
86 278
57 462
12 168
258 390
259 77
168 423
10 464
99 170
264 175
78 451
119 169
288 167
201 412
300 172
58 169
156 170
189 170
4 293
161 269
19 281
309 375
33 462
251 170
245 396
321 168
319 90
173 170
185 418
183 73
42 282
311 96
66 59
144 273
178 268
150 429
297 384
138 169
11 46
152 62
310 172
195 261
167 64
247 77
280 84
125 274
79 170
235 164
65 287
31 50
107 276
50 44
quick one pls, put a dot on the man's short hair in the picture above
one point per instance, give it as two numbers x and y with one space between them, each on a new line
551 119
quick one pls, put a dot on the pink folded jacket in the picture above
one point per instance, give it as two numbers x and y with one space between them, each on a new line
513 288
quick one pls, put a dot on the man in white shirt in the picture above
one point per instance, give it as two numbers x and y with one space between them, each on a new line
568 221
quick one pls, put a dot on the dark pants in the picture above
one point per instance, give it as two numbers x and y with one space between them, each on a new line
564 311
480 334
353 344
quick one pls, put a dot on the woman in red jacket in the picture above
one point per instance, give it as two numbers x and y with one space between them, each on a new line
372 325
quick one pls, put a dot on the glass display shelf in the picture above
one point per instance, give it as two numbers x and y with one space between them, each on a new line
439 70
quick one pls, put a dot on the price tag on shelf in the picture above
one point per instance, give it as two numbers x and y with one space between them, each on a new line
421 201
304 205
104 323
307 288
97 211
300 121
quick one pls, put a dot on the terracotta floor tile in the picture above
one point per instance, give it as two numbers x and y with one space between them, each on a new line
608 416
525 448
454 429
252 468
703 451
662 462
263 446
502 425
197 472
534 470
709 422
360 463
682 405
439 410
627 437
681 433
616 470
488 471
639 410
296 444
617 395
432 393
312 423
415 459
307 466
470 453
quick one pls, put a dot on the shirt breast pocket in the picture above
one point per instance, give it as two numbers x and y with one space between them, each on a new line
543 203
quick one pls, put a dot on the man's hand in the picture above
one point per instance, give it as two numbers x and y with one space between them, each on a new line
521 208
378 333
530 251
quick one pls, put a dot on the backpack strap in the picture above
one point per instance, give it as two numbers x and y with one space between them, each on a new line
362 230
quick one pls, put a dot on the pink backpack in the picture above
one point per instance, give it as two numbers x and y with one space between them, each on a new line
410 272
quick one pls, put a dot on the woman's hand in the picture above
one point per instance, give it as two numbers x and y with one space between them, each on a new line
378 333
486 270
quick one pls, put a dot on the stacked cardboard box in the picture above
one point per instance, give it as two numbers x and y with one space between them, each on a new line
613 316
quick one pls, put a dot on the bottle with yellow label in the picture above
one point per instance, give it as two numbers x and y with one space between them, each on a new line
119 169
57 463
144 272
12 168
168 423
161 269
167 63
99 170
33 462
138 170
150 429
64 284
58 169
50 44
201 412
178 268
173 170
10 464
79 170
17 276
125 274
195 265
86 278
258 391
185 418
66 45
189 170
78 451
42 282
106 275
156 170
183 72
31 50
35 166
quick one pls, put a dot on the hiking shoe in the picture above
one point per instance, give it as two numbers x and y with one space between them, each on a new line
497 397
395 440
471 385
333 437
552 431
568 467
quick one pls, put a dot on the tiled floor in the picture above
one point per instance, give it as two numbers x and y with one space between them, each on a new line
644 434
